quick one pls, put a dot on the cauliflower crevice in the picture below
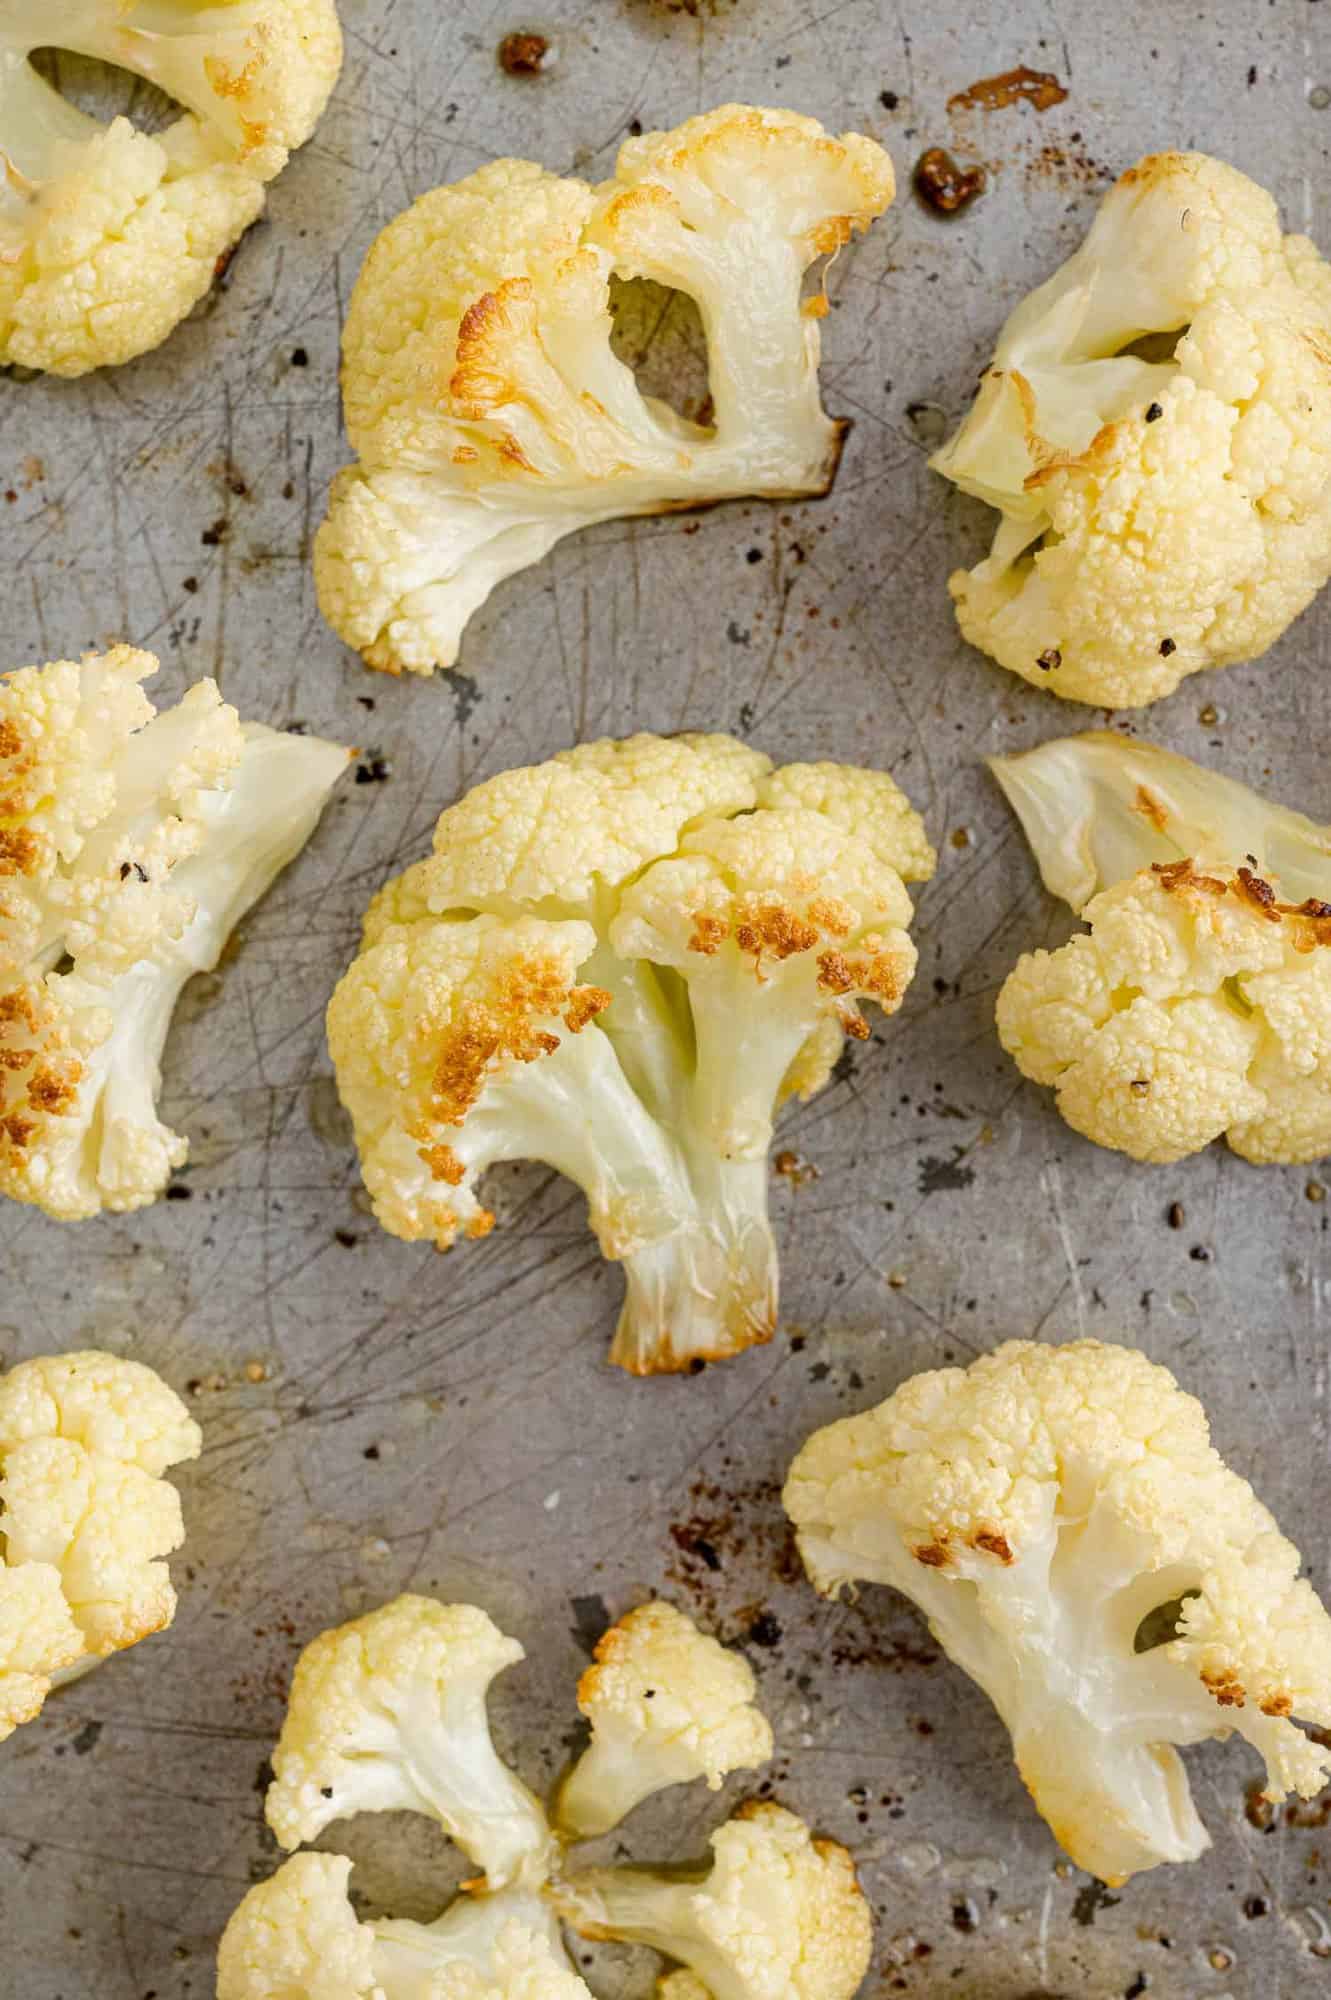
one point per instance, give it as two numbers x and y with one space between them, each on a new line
131 845
621 963
109 236
1037 1507
86 1517
1157 516
487 409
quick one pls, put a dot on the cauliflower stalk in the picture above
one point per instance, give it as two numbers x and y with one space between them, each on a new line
131 844
86 1517
1165 513
1199 1001
620 962
487 409
108 235
1037 1507
389 1712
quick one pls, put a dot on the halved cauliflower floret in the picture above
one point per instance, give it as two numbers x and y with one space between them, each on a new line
389 1712
1038 1507
131 845
621 962
667 1704
1158 515
86 1517
108 236
1199 1004
488 411
778 1916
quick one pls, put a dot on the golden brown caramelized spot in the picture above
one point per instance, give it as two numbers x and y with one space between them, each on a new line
853 1024
16 1059
481 1225
1150 807
830 236
18 1008
1277 1704
934 1555
17 1129
875 972
832 915
465 454
512 453
772 928
55 1090
18 851
993 1544
235 83
1226 1688
495 1029
709 934
1182 875
584 1004
11 739
1257 894
444 1164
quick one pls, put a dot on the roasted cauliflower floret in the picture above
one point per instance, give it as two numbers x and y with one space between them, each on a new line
666 1705
108 236
86 1517
621 962
1199 1003
131 844
778 1916
389 1712
1038 1507
1158 516
487 409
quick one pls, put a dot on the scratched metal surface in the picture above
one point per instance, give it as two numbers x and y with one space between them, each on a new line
451 1426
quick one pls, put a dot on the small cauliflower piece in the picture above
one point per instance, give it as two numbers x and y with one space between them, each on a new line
487 409
1158 516
131 845
86 1517
779 1915
1038 1507
296 1936
1199 1003
388 1714
667 1704
621 962
109 236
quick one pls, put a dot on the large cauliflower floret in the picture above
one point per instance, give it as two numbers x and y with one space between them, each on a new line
108 236
1038 1507
389 1712
1199 1004
1158 515
85 1517
667 1704
778 1916
489 413
131 844
621 962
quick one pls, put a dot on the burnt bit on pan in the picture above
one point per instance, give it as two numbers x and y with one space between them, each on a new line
944 186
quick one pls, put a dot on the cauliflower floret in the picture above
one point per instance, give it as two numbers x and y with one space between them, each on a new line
491 417
388 1714
1199 1005
131 844
297 1936
109 236
1037 1507
620 962
1158 517
779 1916
85 1517
667 1704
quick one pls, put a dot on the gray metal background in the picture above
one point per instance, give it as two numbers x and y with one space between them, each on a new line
450 1425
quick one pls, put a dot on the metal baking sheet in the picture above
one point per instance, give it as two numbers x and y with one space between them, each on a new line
450 1425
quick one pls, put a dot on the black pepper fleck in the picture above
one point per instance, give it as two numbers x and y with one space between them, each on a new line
1167 647
1154 412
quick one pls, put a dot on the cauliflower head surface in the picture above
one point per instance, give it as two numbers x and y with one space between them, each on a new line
667 1704
1198 1004
1037 1507
621 962
86 1517
108 235
490 415
1157 516
131 844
